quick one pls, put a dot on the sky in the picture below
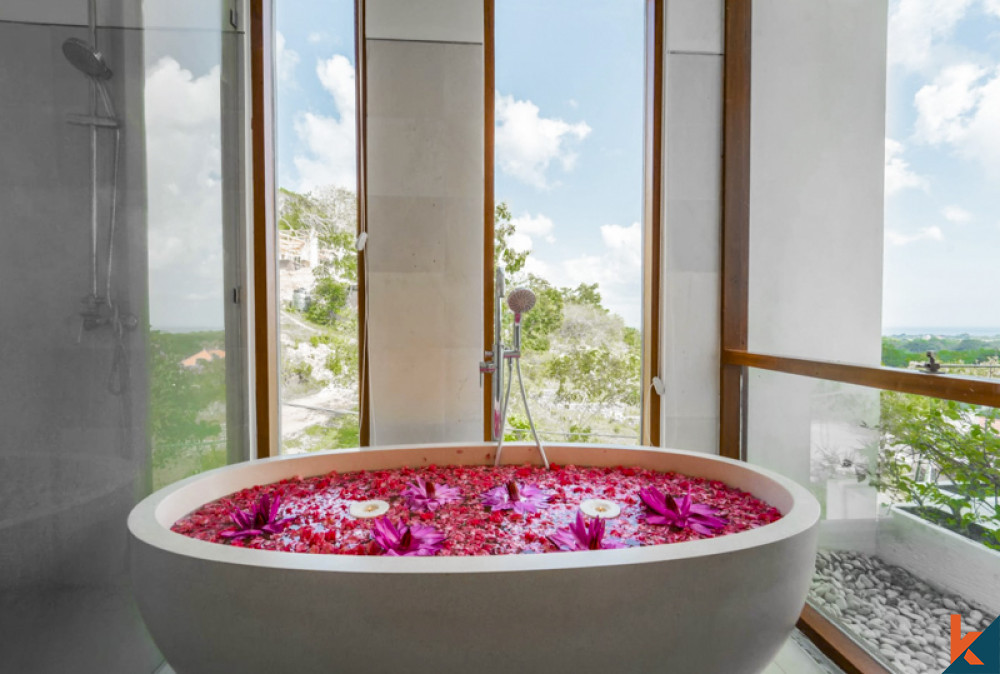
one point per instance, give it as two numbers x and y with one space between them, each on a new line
569 97
942 213
569 82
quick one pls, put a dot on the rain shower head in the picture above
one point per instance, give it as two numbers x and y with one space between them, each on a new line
86 59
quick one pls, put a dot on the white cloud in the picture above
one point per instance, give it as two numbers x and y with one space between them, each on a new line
894 238
285 60
992 7
329 158
526 227
961 109
917 28
617 271
184 174
316 37
527 144
945 106
956 214
898 174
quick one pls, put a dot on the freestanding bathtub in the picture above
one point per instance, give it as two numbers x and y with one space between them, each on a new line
721 605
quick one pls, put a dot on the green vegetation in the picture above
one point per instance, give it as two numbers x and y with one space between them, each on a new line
581 363
942 457
958 350
319 353
187 406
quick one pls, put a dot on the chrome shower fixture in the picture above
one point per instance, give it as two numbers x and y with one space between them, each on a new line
86 58
520 301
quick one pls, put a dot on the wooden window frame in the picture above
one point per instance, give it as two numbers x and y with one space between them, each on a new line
735 354
264 276
650 425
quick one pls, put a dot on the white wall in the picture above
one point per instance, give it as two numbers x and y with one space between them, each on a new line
149 14
817 164
425 218
689 338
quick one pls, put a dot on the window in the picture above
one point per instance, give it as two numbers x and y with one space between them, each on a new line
194 130
316 224
901 461
569 152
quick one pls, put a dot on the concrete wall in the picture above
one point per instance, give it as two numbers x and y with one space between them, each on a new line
816 203
425 218
692 189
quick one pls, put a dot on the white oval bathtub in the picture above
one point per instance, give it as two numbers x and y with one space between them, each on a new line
721 605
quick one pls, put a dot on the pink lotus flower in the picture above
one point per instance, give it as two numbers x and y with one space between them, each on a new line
583 536
680 512
406 541
521 499
260 521
427 496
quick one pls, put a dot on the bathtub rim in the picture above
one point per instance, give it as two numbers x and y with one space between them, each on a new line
146 522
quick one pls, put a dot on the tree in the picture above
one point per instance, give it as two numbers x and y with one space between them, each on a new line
942 456
584 294
329 296
513 261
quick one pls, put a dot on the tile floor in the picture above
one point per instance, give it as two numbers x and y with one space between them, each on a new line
797 656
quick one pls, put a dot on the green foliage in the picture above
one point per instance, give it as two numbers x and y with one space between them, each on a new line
544 318
186 405
584 294
503 227
340 432
901 351
941 455
596 375
579 433
329 296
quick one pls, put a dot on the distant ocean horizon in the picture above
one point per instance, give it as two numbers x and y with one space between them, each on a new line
938 331
186 328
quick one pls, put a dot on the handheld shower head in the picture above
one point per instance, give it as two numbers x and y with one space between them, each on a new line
87 59
520 301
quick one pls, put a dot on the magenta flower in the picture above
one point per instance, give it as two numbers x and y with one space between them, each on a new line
681 512
260 521
427 496
582 535
521 499
406 541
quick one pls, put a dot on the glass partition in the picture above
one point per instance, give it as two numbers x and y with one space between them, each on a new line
909 490
121 179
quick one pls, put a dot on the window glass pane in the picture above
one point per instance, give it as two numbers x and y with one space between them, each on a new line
193 146
874 223
317 222
569 161
909 487
942 219
121 184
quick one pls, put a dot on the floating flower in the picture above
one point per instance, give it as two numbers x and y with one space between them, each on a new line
582 535
427 496
261 520
600 507
522 499
406 541
369 509
680 512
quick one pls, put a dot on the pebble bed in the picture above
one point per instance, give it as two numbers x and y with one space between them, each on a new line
900 618
322 524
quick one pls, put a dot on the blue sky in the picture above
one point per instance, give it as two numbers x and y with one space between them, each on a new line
569 142
942 215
